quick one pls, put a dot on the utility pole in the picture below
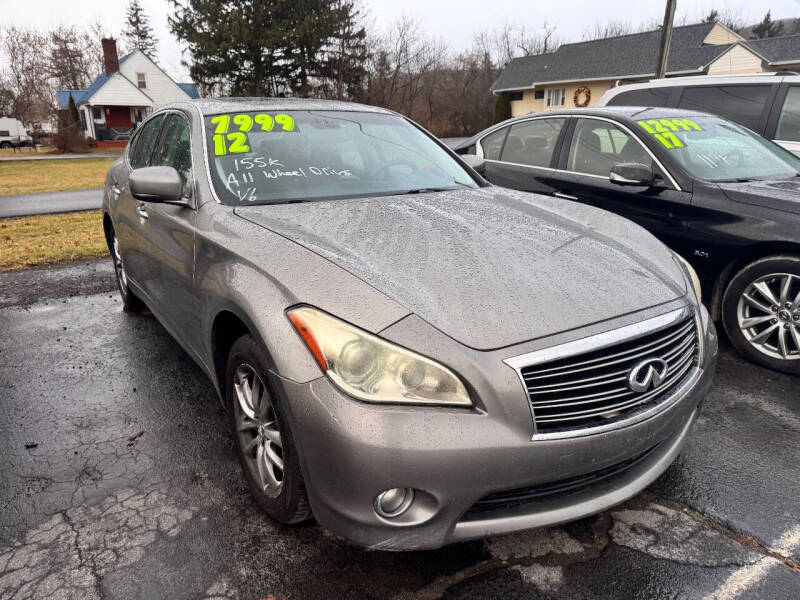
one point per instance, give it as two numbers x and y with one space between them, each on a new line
666 36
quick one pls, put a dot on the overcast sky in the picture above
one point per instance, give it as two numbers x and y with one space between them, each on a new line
452 20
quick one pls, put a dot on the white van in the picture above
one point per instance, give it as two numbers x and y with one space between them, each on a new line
767 103
12 133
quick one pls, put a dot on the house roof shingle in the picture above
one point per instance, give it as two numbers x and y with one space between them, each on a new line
778 49
626 55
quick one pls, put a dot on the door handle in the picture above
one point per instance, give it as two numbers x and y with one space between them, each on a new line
564 196
142 211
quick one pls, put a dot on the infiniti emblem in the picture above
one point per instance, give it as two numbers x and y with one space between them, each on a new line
647 374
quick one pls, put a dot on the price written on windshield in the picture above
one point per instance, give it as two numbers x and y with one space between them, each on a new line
228 141
662 130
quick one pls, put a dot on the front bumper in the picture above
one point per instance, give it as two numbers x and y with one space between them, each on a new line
351 451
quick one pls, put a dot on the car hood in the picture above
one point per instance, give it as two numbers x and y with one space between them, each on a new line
489 267
780 194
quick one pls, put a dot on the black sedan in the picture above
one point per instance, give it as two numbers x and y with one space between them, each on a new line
723 197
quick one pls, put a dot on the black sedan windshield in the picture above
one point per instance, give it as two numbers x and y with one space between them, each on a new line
717 150
279 156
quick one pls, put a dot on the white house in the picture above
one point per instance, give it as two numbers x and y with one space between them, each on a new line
122 96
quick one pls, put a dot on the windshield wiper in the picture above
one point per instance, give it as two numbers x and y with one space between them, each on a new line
425 190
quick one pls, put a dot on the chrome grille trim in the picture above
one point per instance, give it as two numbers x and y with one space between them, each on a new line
606 393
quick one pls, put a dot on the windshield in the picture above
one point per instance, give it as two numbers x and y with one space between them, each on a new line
718 150
271 157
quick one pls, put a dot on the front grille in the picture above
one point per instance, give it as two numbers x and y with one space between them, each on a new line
590 389
519 497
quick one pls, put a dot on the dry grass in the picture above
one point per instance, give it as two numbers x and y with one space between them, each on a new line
36 176
50 150
46 239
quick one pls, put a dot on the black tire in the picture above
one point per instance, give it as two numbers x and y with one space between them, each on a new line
783 317
289 502
5 145
129 301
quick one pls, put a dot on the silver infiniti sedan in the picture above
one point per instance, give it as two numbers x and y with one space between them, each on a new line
407 353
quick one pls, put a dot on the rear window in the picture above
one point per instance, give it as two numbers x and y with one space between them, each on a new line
657 97
743 104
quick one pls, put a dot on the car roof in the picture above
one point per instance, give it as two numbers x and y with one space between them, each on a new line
212 106
625 114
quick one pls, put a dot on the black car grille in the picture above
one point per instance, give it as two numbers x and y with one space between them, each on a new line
520 497
590 389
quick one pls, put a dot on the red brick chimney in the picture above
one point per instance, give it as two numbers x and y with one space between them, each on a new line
110 58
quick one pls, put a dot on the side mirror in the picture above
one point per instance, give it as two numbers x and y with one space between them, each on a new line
631 174
156 184
476 162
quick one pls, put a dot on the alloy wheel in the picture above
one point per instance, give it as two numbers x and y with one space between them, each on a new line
259 434
119 267
768 314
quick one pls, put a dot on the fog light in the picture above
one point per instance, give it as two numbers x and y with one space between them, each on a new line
394 502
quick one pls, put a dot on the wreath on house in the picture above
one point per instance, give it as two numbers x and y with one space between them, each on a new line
582 96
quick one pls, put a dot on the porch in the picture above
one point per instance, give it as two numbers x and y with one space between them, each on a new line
111 125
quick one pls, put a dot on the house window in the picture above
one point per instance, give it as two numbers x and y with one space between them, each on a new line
83 120
556 96
538 94
97 113
514 96
141 81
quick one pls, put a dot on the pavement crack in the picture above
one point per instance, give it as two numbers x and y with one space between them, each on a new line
745 540
82 559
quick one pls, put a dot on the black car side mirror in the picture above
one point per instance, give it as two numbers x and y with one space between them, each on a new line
631 174
476 162
156 184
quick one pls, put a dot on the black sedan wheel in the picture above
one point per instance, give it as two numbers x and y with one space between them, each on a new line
263 439
761 312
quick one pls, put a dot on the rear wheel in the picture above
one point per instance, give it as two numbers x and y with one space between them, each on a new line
761 312
5 144
263 439
129 301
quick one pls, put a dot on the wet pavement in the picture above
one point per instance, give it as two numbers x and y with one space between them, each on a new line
118 479
51 202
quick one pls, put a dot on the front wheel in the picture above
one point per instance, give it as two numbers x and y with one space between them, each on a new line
761 312
263 439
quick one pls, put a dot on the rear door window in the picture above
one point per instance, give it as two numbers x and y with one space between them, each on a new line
492 144
789 121
145 142
532 142
656 96
743 104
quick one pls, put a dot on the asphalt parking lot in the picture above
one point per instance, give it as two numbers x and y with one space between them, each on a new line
118 479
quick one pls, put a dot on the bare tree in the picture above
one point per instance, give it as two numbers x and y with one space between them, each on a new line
24 51
511 41
72 63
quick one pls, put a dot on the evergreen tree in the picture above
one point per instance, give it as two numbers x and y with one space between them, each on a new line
138 34
502 107
767 28
345 56
712 17
74 117
255 47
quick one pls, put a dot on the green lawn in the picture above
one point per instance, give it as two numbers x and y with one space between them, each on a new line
35 176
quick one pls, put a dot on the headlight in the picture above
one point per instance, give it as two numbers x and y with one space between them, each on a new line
692 276
372 369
